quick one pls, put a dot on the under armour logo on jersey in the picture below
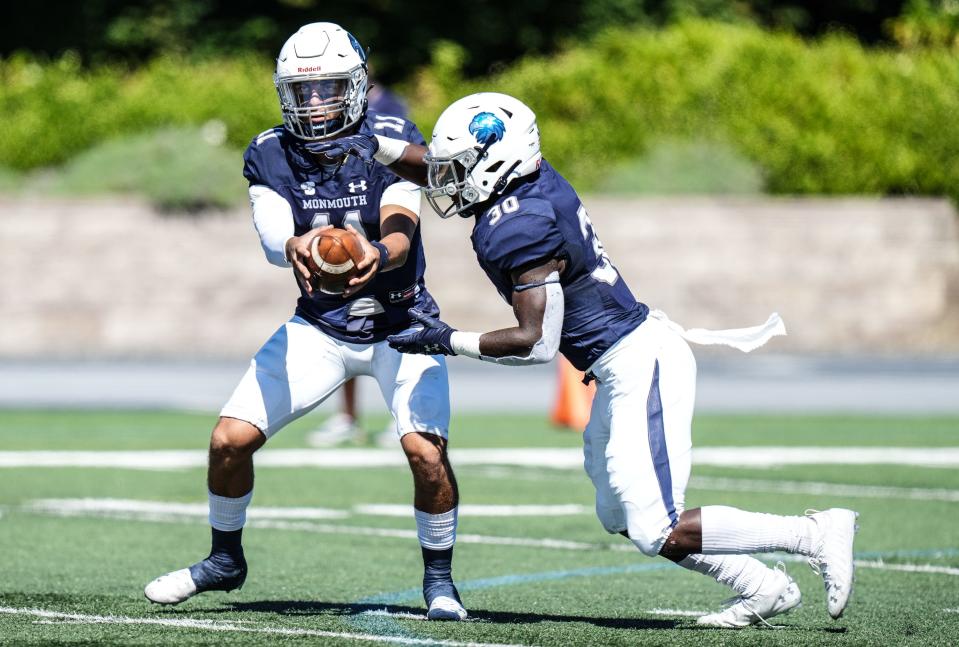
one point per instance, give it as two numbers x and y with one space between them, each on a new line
309 188
361 185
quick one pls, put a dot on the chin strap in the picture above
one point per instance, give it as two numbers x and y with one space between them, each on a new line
504 179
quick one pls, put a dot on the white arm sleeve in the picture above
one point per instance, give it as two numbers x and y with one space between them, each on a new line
402 194
273 219
544 350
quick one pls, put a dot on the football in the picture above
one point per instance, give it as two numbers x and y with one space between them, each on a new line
334 254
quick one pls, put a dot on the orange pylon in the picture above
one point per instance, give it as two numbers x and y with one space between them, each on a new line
573 398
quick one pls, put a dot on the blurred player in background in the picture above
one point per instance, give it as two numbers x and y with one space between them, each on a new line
535 242
344 426
295 192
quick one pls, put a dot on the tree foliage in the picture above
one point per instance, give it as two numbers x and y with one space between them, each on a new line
401 35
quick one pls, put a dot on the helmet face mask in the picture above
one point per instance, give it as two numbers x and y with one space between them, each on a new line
449 190
480 144
321 81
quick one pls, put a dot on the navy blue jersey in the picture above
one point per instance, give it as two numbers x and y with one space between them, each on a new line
350 195
541 218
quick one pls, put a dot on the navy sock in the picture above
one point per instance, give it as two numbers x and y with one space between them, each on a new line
438 573
228 543
225 568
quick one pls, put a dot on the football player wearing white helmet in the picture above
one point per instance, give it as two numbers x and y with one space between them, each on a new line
295 192
535 242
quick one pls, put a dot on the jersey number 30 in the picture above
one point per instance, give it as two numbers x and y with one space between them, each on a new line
604 271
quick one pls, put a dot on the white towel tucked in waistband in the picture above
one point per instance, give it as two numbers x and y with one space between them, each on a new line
744 339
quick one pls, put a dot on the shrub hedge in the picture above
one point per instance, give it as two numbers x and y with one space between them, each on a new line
818 117
53 111
825 116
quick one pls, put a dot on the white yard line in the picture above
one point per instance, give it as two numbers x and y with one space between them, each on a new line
154 511
878 564
556 458
82 507
464 538
168 509
819 488
907 568
132 510
394 614
216 625
476 510
778 456
677 612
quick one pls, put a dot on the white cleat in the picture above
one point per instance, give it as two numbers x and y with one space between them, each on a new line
446 608
777 595
834 557
339 428
172 588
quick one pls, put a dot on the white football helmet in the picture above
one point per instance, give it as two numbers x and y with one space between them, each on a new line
480 144
321 79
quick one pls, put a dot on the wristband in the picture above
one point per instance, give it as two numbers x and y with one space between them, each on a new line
389 150
384 254
465 343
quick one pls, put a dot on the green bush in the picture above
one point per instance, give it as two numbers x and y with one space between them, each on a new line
817 117
927 23
825 116
177 169
53 111
181 169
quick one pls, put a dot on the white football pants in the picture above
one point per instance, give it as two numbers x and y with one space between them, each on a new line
637 444
300 366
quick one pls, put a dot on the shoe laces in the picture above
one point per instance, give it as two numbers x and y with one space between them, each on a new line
749 608
740 600
819 565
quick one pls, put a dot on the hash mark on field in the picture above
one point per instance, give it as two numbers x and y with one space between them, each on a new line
218 625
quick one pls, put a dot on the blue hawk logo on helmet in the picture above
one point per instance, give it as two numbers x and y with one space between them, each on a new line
487 128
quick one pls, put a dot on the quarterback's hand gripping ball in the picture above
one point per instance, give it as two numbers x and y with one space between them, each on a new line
427 336
333 259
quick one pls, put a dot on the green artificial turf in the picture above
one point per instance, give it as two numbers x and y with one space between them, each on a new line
328 576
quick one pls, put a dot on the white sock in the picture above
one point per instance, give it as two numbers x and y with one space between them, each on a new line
729 530
227 513
436 531
741 573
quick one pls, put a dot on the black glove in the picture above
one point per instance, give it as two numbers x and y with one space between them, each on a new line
363 147
429 336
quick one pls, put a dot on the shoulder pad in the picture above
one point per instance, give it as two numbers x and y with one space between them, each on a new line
272 133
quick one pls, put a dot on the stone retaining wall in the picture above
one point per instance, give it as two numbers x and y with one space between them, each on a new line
110 277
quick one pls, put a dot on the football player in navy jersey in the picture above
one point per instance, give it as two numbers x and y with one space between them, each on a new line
296 190
535 242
